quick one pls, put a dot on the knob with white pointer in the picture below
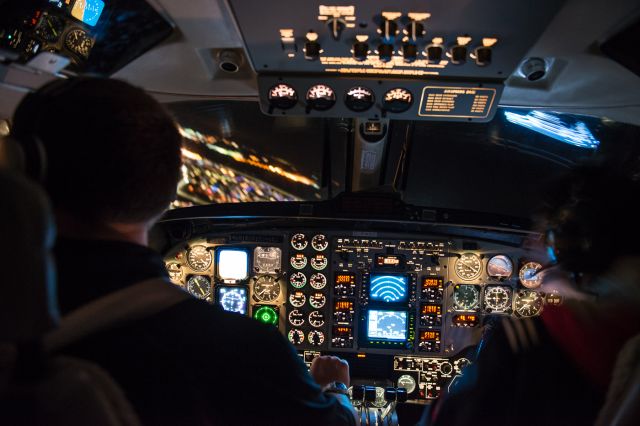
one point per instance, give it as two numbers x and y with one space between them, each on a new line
336 25
312 48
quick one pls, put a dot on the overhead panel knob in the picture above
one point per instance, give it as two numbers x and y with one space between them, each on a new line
483 56
434 53
360 50
458 54
414 30
409 52
385 52
336 26
312 50
388 30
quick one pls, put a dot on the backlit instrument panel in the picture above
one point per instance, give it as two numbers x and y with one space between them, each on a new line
414 303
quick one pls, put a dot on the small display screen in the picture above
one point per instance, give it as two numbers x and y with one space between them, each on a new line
344 305
432 282
388 288
389 261
340 331
465 320
429 335
386 325
232 299
87 11
345 279
431 309
233 264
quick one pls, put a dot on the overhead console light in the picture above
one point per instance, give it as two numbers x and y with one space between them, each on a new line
574 133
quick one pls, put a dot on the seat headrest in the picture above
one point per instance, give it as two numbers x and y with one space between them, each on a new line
28 306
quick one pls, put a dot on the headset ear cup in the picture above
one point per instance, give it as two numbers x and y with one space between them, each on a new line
12 155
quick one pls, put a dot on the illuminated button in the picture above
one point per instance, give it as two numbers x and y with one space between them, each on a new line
434 53
410 52
311 50
458 54
483 56
360 50
385 52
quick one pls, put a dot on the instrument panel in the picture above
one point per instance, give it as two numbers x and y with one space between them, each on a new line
415 302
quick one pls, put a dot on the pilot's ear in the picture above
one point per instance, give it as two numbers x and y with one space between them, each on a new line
11 154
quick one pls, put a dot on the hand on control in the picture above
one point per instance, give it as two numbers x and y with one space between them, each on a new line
328 369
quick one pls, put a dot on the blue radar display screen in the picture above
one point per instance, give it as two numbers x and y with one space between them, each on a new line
388 288
233 299
233 264
387 325
87 11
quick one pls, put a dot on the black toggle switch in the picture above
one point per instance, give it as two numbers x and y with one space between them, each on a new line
434 54
415 30
357 392
458 54
410 52
401 395
388 29
483 56
360 50
385 52
390 394
312 50
370 393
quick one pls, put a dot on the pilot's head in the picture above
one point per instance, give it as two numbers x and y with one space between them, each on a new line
111 152
592 229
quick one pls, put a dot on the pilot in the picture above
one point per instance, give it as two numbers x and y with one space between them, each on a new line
111 165
557 369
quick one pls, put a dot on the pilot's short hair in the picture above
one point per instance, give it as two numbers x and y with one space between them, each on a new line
112 151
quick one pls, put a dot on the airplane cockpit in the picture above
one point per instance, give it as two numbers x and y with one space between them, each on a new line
364 177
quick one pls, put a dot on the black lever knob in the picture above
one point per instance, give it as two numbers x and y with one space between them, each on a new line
483 56
370 393
390 394
458 54
410 52
385 52
434 53
360 50
357 392
312 50
401 395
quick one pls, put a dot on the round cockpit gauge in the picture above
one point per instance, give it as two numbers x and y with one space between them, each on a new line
266 288
267 260
446 368
298 279
199 286
468 266
317 300
297 299
316 319
497 298
175 271
296 336
319 242
199 258
321 97
296 317
282 96
78 42
408 382
299 242
500 266
465 296
359 99
528 303
319 262
529 276
318 281
397 100
298 261
316 337
266 314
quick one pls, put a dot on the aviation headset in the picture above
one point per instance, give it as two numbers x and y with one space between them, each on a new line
24 140
593 225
